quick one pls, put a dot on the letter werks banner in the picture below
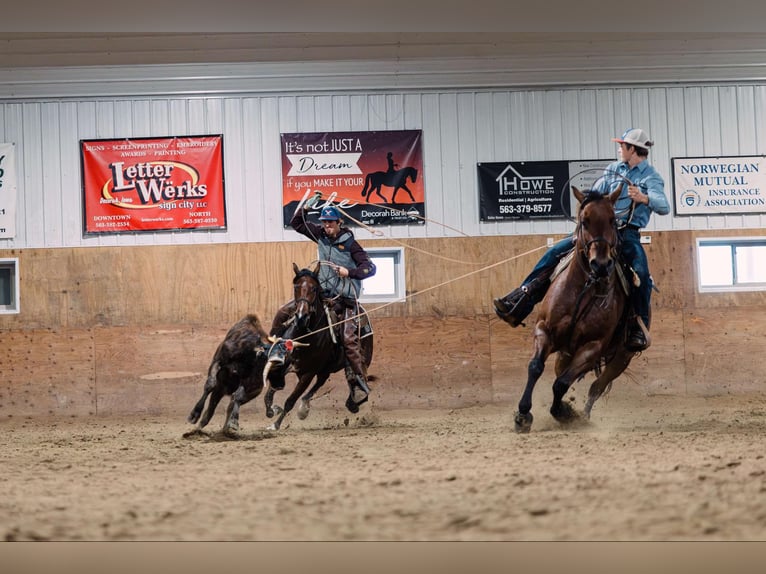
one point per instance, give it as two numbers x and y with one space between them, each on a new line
533 189
7 190
719 185
153 184
375 177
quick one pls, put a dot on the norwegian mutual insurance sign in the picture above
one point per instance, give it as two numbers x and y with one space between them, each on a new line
533 189
153 184
719 185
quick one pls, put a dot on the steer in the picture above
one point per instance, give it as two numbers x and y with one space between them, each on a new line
237 370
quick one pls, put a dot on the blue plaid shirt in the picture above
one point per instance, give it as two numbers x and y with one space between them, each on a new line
648 180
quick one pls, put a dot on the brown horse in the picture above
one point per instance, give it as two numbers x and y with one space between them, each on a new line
313 347
583 314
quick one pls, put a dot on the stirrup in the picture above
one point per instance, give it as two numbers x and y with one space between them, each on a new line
637 340
514 307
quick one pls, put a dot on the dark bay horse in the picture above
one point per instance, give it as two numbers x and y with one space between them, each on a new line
396 179
314 349
583 315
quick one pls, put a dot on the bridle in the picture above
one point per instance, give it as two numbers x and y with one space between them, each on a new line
584 244
312 305
593 280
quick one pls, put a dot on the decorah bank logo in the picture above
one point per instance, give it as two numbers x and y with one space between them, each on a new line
690 198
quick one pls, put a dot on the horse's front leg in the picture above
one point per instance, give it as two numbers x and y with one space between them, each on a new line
303 383
523 417
582 361
304 405
268 401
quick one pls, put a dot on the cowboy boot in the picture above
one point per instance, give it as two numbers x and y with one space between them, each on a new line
353 350
636 340
518 304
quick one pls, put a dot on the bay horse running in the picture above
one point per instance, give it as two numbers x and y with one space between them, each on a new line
313 348
396 179
583 315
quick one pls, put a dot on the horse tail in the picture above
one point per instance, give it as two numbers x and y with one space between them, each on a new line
366 185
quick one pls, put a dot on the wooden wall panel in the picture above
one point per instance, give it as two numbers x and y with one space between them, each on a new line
132 329
432 361
47 372
724 350
152 371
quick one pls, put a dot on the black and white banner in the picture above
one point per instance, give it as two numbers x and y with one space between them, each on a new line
719 185
7 190
533 189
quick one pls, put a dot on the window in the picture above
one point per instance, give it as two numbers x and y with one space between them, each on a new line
731 264
9 286
387 284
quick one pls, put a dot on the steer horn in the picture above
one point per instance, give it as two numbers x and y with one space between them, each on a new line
266 383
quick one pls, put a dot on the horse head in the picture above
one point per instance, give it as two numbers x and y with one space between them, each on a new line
413 173
306 293
597 235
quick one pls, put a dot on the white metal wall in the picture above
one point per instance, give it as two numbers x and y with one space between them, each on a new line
460 128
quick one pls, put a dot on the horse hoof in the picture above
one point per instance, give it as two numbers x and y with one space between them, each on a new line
303 409
565 413
523 423
272 411
351 405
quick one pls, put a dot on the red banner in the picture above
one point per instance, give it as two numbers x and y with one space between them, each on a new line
153 184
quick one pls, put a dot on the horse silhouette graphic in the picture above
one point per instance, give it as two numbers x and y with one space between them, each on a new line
395 179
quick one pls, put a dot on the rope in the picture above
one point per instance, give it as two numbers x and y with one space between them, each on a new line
427 289
379 233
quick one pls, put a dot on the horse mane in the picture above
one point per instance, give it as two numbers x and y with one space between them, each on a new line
305 273
591 196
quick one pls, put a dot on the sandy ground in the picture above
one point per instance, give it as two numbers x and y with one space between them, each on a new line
644 468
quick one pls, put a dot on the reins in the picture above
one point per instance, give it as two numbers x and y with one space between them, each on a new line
592 280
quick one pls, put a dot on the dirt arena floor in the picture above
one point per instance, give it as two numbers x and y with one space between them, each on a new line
645 468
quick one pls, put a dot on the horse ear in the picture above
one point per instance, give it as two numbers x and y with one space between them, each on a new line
615 195
578 194
295 269
316 268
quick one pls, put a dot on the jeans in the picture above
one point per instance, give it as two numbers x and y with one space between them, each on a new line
633 254
551 258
